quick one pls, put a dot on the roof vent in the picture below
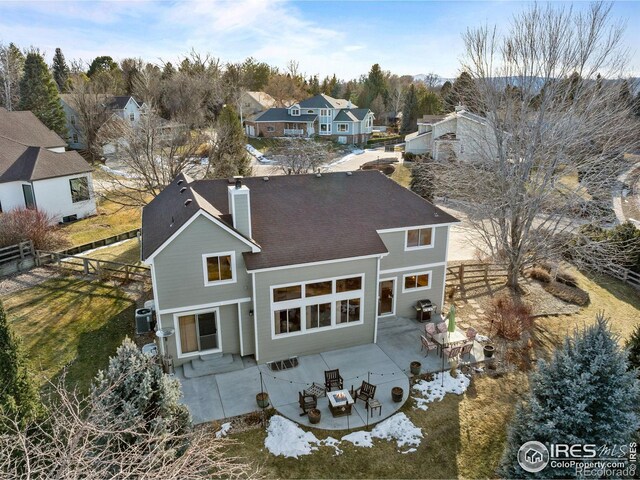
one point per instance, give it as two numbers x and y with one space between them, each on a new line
238 183
266 179
180 182
349 174
187 202
183 189
318 175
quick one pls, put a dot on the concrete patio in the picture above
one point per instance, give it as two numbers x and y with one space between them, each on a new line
385 364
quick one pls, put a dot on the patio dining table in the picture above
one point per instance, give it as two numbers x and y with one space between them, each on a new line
448 338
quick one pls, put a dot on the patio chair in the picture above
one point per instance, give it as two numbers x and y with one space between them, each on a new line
430 329
332 379
452 352
364 393
307 402
316 389
471 334
442 327
428 345
466 350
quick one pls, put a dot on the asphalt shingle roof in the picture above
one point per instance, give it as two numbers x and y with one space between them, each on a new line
282 115
25 128
324 101
299 218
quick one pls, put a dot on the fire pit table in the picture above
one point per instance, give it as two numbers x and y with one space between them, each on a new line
340 402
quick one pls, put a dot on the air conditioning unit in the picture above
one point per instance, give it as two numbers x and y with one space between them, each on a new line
144 317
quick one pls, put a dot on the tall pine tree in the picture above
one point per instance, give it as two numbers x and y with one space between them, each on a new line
228 157
19 399
585 394
409 110
60 71
39 94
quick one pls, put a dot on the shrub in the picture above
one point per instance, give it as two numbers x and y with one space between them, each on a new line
409 156
568 294
22 224
633 346
511 316
540 274
567 279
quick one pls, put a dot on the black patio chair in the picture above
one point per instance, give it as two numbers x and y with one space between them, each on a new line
364 393
332 379
307 402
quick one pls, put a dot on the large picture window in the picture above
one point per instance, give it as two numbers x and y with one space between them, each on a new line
198 332
420 238
29 199
79 189
317 305
219 268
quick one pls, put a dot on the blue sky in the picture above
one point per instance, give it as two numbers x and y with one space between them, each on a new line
405 37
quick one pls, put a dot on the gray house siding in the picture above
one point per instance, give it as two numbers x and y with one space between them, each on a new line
317 341
405 301
399 258
179 268
248 337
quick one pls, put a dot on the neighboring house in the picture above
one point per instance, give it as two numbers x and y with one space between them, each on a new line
37 172
320 115
255 102
289 265
462 135
125 107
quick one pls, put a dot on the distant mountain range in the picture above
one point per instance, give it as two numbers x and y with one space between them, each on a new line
537 81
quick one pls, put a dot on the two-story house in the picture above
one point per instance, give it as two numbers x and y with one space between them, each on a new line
289 265
36 171
124 107
321 115
459 135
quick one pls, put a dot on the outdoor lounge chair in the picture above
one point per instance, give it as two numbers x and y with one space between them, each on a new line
471 334
307 402
430 329
442 327
364 393
428 345
332 379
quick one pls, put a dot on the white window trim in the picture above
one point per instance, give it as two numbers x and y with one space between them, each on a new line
176 325
327 131
419 247
305 301
395 289
415 274
233 279
346 125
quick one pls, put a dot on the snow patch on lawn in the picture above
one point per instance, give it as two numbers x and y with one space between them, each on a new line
398 428
436 389
287 439
224 429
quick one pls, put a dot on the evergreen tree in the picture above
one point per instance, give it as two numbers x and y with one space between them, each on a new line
633 345
429 103
19 399
464 92
103 63
314 85
136 391
39 94
60 71
375 85
11 68
446 95
584 395
228 157
409 110
422 180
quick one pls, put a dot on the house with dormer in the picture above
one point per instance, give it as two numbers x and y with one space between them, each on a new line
274 267
321 115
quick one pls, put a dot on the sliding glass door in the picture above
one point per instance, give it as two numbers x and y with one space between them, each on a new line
199 332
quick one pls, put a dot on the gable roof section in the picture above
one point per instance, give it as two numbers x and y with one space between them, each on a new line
264 99
325 101
297 219
30 163
352 115
282 115
25 128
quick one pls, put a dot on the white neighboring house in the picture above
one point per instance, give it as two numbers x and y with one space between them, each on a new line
461 134
37 172
124 107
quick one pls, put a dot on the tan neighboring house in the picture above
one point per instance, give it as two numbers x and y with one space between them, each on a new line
255 102
461 135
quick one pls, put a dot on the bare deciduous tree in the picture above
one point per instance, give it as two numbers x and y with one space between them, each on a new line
554 136
11 66
80 439
300 155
